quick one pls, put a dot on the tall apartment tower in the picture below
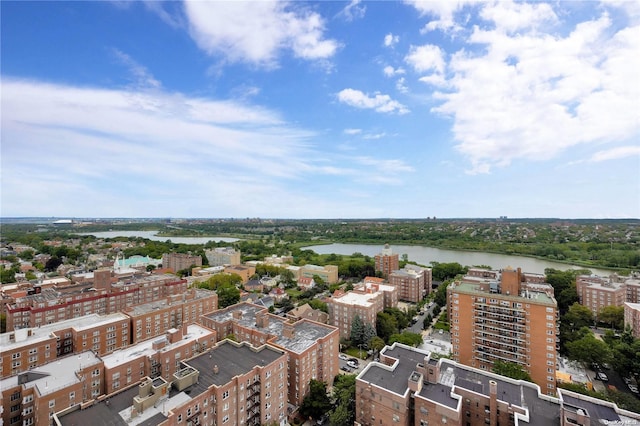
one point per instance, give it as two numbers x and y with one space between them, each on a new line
500 317
386 261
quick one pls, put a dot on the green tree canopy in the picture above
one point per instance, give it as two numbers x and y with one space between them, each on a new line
317 402
407 338
589 350
228 294
344 395
612 315
511 369
357 331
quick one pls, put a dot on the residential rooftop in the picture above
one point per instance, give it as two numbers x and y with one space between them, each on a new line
306 333
355 298
531 296
55 375
194 332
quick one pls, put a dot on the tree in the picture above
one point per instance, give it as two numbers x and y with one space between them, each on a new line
344 394
151 267
613 315
317 402
426 323
573 323
319 305
357 330
52 264
589 350
386 325
510 369
228 294
368 333
376 344
407 338
446 271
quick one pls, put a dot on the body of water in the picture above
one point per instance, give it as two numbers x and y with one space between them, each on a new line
151 235
426 255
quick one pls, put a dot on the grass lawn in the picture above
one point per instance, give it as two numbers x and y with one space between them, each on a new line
355 352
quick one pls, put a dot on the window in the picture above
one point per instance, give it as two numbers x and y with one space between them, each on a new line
52 403
225 394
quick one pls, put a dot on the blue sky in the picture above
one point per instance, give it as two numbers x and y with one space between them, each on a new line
320 109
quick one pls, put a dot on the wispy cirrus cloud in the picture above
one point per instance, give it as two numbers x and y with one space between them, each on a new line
140 75
354 10
258 32
616 154
377 102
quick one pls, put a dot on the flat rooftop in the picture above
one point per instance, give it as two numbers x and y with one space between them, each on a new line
194 332
305 334
356 298
161 304
54 375
44 332
393 379
534 297
232 359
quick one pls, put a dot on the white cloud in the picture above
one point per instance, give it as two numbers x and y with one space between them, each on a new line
377 102
373 136
512 16
391 40
141 76
354 10
426 58
401 85
531 95
616 153
352 131
258 32
444 11
390 71
103 152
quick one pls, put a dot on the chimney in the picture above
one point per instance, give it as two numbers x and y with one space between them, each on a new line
216 369
237 315
262 319
287 330
493 402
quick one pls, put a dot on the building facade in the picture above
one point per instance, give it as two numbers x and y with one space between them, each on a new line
596 292
632 318
221 256
100 296
328 273
179 261
413 282
386 261
494 319
312 348
364 301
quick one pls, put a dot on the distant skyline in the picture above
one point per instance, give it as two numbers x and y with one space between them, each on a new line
453 109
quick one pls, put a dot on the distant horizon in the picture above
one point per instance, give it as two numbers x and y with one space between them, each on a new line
299 218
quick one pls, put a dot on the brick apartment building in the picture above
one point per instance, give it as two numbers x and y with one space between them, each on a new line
32 397
230 384
157 357
311 347
221 256
413 282
597 292
632 318
364 301
386 261
156 318
179 261
100 296
501 317
410 388
24 349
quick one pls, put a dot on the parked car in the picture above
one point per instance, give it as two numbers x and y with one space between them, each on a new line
633 388
601 376
343 357
354 360
345 368
352 364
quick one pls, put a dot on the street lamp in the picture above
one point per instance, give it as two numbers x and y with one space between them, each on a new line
360 346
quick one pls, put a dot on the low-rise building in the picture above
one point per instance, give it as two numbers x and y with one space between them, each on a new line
328 273
597 292
244 271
